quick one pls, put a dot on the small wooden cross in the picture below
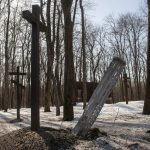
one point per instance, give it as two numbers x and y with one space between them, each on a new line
37 26
18 85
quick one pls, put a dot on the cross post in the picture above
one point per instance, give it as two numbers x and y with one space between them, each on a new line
35 82
37 26
126 86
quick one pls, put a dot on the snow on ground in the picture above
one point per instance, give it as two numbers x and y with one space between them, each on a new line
124 124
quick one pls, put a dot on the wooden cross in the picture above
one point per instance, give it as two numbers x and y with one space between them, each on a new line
18 85
37 26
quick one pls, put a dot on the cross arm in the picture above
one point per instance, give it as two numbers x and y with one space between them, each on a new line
32 19
16 73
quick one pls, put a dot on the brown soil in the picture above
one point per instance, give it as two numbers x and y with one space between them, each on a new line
52 139
44 139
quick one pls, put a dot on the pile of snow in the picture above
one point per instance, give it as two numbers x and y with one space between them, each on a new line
121 108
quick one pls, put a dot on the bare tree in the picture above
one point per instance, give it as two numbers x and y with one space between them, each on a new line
84 56
57 84
50 40
126 38
69 75
7 59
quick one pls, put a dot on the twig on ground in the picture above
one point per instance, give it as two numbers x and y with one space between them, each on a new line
116 116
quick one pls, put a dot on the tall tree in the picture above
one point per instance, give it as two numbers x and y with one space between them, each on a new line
57 84
50 40
146 109
7 59
69 78
84 56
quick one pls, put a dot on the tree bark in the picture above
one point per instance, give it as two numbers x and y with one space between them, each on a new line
6 103
50 55
84 57
57 84
69 80
146 108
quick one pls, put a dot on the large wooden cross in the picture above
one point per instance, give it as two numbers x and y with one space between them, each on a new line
37 26
18 73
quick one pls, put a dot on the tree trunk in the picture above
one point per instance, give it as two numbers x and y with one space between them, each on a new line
84 57
6 103
57 84
146 108
50 56
69 83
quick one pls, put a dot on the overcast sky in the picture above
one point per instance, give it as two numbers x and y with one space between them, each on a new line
103 8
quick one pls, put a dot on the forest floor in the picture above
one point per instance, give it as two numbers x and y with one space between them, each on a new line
121 127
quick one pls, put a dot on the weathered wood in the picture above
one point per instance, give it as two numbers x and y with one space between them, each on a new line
37 26
126 86
99 97
16 73
18 96
35 71
33 19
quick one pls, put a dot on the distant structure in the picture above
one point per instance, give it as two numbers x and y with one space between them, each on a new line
91 86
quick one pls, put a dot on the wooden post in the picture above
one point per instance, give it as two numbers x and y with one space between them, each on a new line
18 103
35 82
126 86
37 26
18 86
99 97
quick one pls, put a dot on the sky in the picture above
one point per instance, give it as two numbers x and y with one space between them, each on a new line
102 8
